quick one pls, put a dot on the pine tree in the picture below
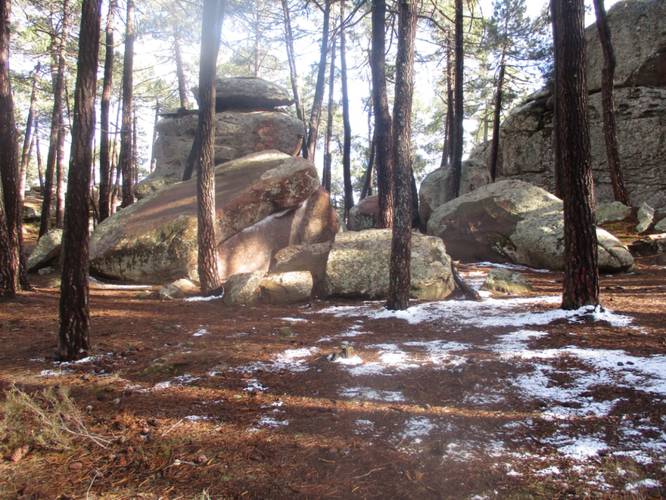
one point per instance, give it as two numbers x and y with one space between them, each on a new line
126 156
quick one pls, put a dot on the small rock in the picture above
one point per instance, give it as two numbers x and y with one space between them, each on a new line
645 217
615 211
201 459
660 227
508 282
75 466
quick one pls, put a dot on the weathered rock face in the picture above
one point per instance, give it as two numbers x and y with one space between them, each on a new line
245 92
364 214
155 240
639 39
358 266
434 188
504 281
309 257
615 211
46 251
276 288
237 134
514 221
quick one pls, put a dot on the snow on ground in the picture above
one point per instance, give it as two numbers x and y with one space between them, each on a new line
292 360
200 332
208 298
371 394
185 379
417 428
294 320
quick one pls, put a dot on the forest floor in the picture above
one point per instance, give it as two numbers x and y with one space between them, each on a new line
509 397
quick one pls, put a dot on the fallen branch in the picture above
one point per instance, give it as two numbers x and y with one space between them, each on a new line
462 285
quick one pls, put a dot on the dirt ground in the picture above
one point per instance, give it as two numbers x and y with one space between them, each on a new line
452 400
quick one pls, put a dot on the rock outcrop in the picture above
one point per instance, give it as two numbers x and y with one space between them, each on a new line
47 250
246 122
639 39
365 214
514 221
155 239
358 266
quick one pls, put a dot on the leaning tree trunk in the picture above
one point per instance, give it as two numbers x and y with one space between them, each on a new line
494 145
180 72
10 218
383 134
210 42
105 108
56 122
291 58
126 155
315 114
610 129
74 337
399 273
328 157
459 112
581 275
366 190
346 145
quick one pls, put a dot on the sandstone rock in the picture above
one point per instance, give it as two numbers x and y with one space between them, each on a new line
237 134
615 211
178 289
242 288
252 249
515 221
155 240
507 282
364 214
47 250
358 266
660 226
307 257
645 217
435 187
248 93
286 288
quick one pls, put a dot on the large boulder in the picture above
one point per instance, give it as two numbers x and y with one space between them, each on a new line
639 39
275 288
365 214
47 250
435 188
306 257
248 93
514 221
237 134
358 266
155 239
615 211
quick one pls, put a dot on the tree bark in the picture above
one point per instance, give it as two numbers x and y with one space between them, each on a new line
581 276
367 178
105 108
28 139
383 126
74 335
151 166
399 274
180 73
449 126
210 42
60 177
328 157
38 154
610 129
310 145
10 218
126 155
494 145
459 111
346 145
56 121
293 74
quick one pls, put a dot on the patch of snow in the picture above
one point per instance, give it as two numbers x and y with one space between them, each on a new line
439 351
54 373
199 298
513 267
197 418
363 426
582 448
637 456
294 320
200 332
294 360
371 394
253 385
180 380
416 428
553 470
267 421
643 483
354 360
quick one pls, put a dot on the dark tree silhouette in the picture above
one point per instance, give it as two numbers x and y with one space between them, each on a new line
610 129
126 156
74 336
459 110
328 157
383 127
210 43
399 275
105 107
581 275
346 145
291 58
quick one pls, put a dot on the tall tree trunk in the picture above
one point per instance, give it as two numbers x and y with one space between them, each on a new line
151 166
10 218
105 108
399 273
328 157
38 154
115 164
367 178
494 145
210 43
459 111
126 129
581 276
315 114
135 150
180 72
56 120
74 336
346 145
28 139
610 130
383 133
449 126
291 58
60 178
